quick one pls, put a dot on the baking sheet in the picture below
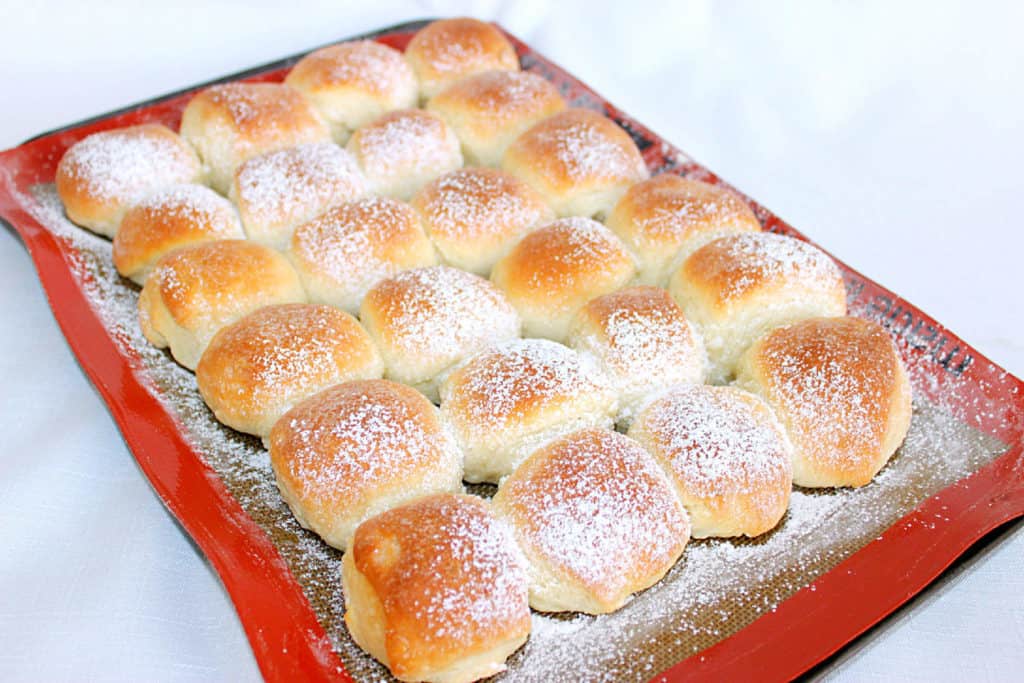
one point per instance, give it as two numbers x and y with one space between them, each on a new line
720 586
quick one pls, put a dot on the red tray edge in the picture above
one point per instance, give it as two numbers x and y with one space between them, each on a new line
285 635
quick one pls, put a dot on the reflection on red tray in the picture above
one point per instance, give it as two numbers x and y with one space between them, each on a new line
283 630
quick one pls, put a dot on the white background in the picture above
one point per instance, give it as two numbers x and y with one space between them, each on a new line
891 133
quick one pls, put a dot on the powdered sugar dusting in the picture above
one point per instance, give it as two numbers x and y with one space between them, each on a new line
456 575
568 250
477 204
367 64
409 142
737 264
717 440
491 388
437 316
595 506
281 189
347 250
497 97
585 146
122 165
347 441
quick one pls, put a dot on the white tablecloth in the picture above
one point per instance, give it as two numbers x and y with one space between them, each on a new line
890 134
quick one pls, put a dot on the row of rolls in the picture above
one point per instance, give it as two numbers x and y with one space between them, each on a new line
404 272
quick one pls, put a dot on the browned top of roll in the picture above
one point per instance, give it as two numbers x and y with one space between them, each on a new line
366 65
448 579
596 508
450 49
837 384
110 169
281 351
732 269
574 147
199 283
668 210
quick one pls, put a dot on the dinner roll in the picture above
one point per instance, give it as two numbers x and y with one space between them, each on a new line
280 190
353 83
359 448
436 590
555 270
840 389
474 215
580 162
195 291
665 219
168 219
344 252
449 50
489 110
428 319
256 369
233 122
103 174
596 519
508 401
403 150
736 288
642 341
726 454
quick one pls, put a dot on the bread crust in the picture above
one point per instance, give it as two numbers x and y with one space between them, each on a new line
257 369
168 219
580 161
489 110
666 218
436 590
195 291
596 518
449 50
353 83
230 123
356 449
103 174
553 271
840 389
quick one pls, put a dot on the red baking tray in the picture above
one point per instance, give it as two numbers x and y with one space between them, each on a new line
289 642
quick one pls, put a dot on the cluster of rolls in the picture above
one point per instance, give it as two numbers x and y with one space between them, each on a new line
409 271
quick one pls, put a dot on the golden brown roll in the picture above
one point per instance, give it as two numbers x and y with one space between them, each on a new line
426 320
840 389
643 342
344 252
403 150
353 83
552 272
474 215
359 448
278 191
736 288
449 50
233 122
726 454
256 369
491 109
436 590
103 174
665 219
596 519
356 449
580 162
195 291
177 216
508 401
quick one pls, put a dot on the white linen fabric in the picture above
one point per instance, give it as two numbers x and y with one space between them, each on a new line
888 132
